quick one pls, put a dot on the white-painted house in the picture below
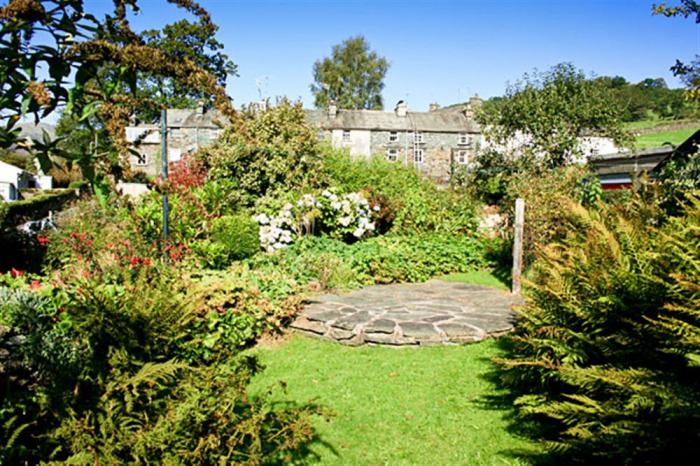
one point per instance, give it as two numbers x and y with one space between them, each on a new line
13 179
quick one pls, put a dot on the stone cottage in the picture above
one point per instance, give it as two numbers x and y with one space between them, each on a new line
434 142
188 130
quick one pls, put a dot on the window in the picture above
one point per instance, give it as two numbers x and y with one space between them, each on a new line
418 155
393 136
346 135
141 160
321 134
392 155
463 138
417 137
462 157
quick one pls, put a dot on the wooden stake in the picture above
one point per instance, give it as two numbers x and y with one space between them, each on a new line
518 244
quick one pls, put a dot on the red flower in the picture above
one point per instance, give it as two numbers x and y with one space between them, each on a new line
146 262
43 240
35 285
135 261
14 273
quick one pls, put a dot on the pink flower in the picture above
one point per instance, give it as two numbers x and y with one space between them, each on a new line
43 240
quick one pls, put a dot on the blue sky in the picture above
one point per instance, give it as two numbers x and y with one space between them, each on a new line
440 51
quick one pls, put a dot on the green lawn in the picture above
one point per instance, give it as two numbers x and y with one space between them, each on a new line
396 406
645 141
478 277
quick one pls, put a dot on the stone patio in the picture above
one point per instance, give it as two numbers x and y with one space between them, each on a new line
431 313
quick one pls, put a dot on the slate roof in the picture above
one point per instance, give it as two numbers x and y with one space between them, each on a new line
190 118
452 121
629 162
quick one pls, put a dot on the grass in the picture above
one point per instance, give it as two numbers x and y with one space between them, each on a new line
645 141
397 406
477 277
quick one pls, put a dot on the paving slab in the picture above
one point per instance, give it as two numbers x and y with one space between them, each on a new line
423 314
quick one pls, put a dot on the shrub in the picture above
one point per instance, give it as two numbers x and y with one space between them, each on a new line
547 205
117 367
383 259
412 203
238 234
605 353
265 151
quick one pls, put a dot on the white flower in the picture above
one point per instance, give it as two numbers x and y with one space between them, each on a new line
345 221
358 233
335 205
326 193
376 208
262 219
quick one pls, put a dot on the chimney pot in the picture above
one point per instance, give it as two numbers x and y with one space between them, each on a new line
401 108
332 109
434 106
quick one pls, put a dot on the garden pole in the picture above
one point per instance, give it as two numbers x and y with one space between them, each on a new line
518 244
164 166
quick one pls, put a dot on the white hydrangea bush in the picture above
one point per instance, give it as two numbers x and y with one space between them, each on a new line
348 216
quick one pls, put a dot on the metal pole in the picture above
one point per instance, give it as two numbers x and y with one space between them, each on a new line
164 166
518 244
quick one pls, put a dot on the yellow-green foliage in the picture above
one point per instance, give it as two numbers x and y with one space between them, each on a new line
547 198
607 344
266 151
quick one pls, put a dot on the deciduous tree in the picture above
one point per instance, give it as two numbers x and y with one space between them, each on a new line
552 110
353 76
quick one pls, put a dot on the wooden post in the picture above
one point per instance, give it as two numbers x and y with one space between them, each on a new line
518 244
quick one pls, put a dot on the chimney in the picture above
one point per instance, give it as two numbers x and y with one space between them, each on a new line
433 107
473 105
401 108
332 109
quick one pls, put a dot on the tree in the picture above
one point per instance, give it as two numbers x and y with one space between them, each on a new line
552 110
44 45
352 77
688 73
189 40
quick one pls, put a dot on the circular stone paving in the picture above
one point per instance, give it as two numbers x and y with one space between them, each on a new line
431 313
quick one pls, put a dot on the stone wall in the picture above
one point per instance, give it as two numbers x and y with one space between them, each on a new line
439 150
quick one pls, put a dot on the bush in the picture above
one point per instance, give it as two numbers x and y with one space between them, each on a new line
605 353
238 234
265 151
384 259
116 367
547 205
412 204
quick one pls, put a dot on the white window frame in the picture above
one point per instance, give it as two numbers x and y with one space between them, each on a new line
462 156
464 139
418 137
418 155
392 154
393 136
346 135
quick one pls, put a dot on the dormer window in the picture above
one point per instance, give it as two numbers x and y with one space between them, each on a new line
463 139
417 137
393 136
